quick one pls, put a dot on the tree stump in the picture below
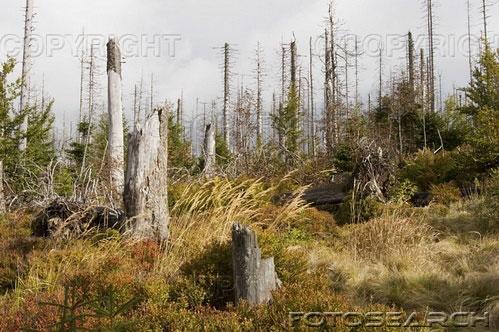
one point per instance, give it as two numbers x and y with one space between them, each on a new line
146 190
254 278
210 162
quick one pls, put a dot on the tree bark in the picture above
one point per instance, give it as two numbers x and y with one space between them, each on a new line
146 192
254 278
116 158
209 152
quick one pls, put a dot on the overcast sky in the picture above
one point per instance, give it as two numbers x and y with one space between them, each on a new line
177 40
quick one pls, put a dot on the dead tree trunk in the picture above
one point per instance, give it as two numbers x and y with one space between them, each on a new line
254 278
26 73
431 56
423 94
259 75
226 94
328 97
146 194
116 158
484 14
209 152
312 105
470 61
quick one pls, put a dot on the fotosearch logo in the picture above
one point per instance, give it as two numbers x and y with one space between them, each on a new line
462 319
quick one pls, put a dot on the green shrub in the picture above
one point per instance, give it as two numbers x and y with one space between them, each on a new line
445 193
427 168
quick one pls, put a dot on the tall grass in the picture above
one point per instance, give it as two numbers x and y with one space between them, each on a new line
203 216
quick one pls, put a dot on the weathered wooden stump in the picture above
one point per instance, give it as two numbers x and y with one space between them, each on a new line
254 278
146 180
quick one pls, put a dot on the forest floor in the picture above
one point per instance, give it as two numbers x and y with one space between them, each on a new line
443 258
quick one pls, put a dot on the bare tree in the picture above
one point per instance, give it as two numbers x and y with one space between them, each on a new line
227 73
91 91
431 54
311 142
328 96
116 160
484 15
82 78
380 95
209 152
26 72
470 63
422 92
259 77
410 61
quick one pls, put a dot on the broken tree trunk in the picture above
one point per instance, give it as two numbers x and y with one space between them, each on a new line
254 278
145 194
209 152
116 152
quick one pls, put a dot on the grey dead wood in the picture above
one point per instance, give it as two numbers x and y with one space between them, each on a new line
209 152
116 154
146 194
254 278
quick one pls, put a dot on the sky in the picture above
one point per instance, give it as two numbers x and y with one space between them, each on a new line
178 42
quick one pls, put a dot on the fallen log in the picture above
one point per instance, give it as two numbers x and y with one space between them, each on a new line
63 217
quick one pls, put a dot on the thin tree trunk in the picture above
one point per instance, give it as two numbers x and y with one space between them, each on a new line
226 93
116 151
312 115
328 87
26 73
431 63
484 14
422 87
259 124
470 63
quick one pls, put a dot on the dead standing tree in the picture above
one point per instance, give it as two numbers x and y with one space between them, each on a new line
210 163
146 194
259 77
26 73
116 152
227 75
431 54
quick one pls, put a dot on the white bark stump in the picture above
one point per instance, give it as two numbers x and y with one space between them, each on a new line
2 195
254 278
146 192
210 162
115 110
